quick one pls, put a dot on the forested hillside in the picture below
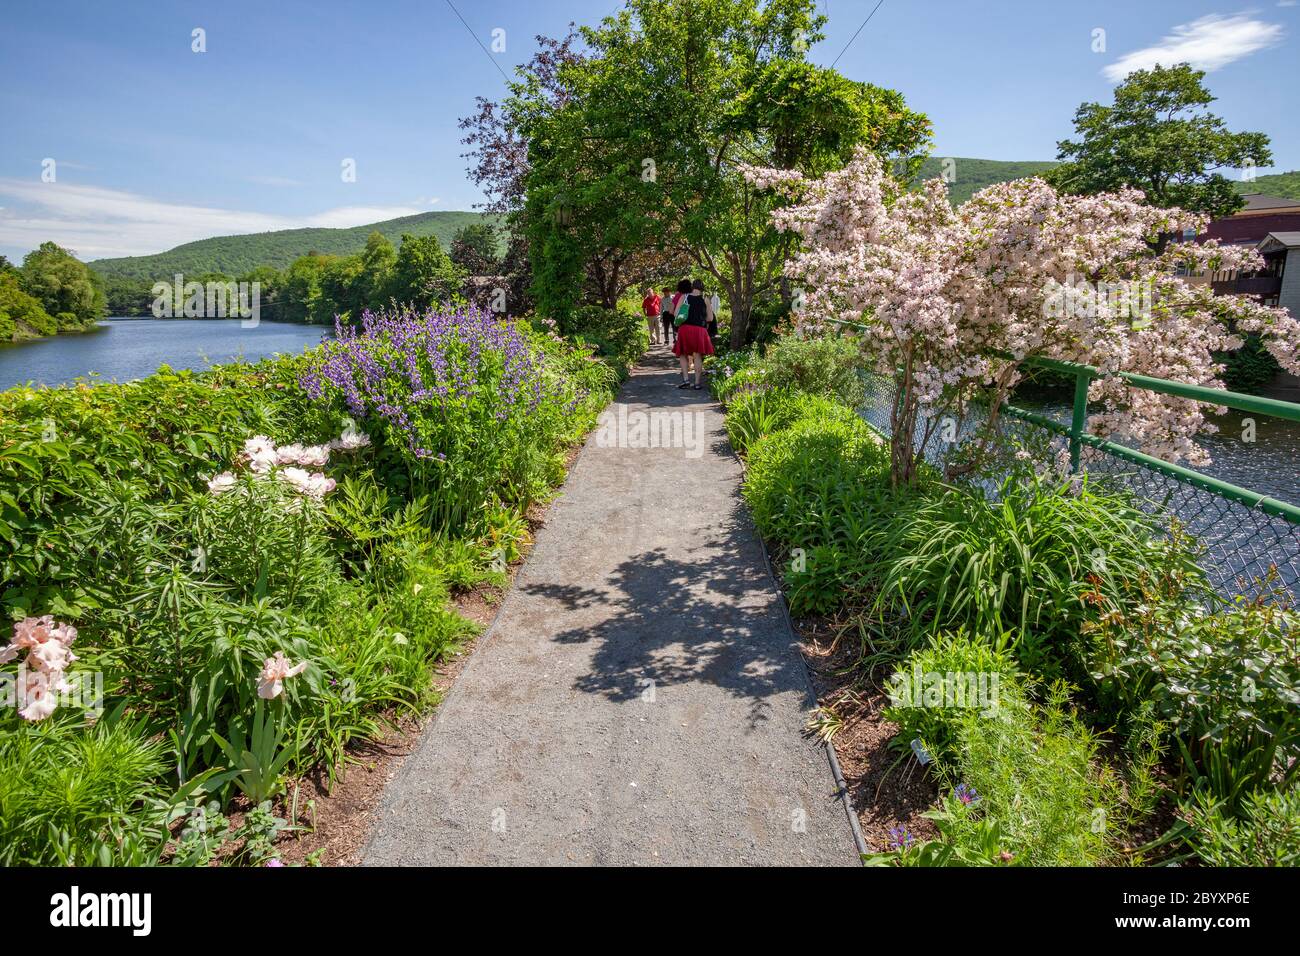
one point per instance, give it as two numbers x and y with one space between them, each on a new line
237 255
972 175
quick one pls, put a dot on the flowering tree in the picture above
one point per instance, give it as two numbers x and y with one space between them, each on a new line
955 299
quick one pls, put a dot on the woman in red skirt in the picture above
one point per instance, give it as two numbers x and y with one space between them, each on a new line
693 314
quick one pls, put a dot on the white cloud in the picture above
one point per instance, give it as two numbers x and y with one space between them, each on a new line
95 222
1210 43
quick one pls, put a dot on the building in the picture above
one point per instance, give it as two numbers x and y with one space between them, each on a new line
1272 225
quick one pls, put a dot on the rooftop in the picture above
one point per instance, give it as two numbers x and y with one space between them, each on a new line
1257 202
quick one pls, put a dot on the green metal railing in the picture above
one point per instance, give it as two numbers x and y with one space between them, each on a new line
1244 532
1078 435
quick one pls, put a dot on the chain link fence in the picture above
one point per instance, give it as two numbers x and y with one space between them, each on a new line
1240 543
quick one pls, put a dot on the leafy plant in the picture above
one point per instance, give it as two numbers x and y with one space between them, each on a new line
256 753
1266 832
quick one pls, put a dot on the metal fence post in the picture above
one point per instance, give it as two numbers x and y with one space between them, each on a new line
1080 419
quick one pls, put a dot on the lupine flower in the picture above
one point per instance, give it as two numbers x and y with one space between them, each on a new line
221 483
275 671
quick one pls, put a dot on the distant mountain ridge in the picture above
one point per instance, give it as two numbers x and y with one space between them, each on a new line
1274 184
969 175
972 175
236 255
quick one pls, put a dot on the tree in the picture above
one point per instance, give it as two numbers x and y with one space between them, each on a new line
1159 137
21 315
474 249
300 293
641 147
377 261
953 300
341 291
422 273
63 284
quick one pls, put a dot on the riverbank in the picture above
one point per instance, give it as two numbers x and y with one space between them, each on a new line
127 349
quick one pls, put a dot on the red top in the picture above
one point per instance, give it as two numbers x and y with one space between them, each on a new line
650 305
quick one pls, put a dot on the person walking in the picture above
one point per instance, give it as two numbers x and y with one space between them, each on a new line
650 306
666 314
693 315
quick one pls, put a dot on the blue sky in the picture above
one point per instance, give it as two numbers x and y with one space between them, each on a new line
155 144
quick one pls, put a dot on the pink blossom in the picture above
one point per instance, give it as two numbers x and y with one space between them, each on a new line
1016 270
315 485
350 440
260 454
221 483
316 456
288 454
38 691
275 671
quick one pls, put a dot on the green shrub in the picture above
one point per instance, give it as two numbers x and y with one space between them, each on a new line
79 797
1266 833
1227 681
936 688
1250 368
818 491
619 335
1033 769
755 414
1025 790
1033 561
469 407
824 365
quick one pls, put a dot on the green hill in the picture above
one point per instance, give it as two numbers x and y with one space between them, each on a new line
1275 184
236 255
972 175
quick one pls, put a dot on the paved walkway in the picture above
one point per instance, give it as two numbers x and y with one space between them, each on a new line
639 698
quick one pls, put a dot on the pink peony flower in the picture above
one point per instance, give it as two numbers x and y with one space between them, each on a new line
288 454
315 485
260 453
350 440
275 671
317 456
221 483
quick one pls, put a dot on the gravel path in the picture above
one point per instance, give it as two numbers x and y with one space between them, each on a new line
640 698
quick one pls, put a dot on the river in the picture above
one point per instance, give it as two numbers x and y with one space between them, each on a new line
125 349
